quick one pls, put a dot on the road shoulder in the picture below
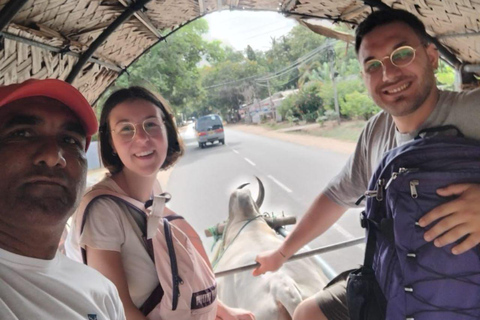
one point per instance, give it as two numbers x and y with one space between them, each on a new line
303 139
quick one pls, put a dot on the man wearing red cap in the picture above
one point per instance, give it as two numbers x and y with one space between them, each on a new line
45 130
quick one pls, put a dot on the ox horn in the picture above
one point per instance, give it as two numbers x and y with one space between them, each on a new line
261 193
243 185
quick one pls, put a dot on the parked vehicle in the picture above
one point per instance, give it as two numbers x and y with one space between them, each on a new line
209 129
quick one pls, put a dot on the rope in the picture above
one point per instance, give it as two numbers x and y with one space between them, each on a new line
214 263
216 236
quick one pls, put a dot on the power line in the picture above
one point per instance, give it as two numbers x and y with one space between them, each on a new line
230 82
305 58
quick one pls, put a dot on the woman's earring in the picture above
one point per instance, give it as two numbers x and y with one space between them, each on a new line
114 153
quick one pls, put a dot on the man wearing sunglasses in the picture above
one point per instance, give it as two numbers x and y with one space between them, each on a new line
398 64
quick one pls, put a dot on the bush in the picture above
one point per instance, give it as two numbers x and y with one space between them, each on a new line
358 104
308 99
291 117
287 107
331 115
310 117
321 120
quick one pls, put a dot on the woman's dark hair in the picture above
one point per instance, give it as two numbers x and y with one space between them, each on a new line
387 16
111 160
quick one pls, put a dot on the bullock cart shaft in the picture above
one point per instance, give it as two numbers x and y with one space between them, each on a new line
298 256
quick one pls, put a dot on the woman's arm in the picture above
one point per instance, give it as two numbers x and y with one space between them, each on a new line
109 263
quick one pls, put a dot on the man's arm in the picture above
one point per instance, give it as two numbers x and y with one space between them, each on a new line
321 215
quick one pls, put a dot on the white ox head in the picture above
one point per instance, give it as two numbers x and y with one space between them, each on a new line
242 206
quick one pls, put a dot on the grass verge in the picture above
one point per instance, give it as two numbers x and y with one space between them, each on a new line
346 131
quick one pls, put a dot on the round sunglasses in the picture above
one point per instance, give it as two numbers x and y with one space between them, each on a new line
400 57
126 130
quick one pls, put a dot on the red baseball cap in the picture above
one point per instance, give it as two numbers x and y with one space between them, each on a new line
58 90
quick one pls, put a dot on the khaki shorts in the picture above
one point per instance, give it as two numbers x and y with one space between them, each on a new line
332 300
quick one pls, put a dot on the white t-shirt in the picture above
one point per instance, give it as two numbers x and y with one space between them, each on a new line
461 109
107 228
54 289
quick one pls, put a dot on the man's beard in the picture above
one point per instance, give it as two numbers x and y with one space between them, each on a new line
401 108
57 204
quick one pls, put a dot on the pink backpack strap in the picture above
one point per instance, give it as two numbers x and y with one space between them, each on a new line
98 192
156 296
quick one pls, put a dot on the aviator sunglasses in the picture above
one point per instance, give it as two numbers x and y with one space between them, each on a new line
126 130
400 57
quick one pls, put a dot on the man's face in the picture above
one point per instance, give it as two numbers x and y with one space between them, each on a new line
399 91
42 161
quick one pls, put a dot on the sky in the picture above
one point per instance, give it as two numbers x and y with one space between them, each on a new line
242 28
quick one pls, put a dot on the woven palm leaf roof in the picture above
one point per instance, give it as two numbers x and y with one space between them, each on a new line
48 38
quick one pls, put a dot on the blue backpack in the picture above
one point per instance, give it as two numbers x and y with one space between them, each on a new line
403 276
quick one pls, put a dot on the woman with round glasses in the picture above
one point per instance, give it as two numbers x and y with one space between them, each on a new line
137 139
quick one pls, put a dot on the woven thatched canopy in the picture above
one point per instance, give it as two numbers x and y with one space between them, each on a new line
48 38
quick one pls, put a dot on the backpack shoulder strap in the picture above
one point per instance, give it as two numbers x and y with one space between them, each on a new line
156 296
97 193
372 228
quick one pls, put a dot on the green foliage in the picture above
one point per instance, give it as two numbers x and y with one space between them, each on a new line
331 115
251 54
170 67
349 105
310 117
287 107
358 104
224 92
445 76
291 117
308 100
305 104
286 50
199 77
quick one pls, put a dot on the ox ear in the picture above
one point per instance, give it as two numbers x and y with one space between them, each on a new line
261 193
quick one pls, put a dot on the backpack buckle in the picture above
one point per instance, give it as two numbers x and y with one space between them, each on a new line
363 220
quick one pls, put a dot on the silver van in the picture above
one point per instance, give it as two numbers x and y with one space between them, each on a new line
209 129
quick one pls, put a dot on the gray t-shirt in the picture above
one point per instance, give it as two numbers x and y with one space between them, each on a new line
461 109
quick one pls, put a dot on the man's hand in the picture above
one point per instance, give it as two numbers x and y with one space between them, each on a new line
458 218
227 313
269 261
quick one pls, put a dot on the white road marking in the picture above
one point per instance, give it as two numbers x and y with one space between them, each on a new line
235 151
250 161
281 185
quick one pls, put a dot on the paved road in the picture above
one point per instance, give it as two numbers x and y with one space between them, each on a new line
293 176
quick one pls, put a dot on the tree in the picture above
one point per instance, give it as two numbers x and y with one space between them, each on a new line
445 76
227 84
251 54
171 68
358 104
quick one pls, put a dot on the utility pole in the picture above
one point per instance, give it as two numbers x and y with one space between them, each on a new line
333 75
271 102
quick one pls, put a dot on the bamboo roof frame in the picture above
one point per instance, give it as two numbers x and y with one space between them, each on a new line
91 42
